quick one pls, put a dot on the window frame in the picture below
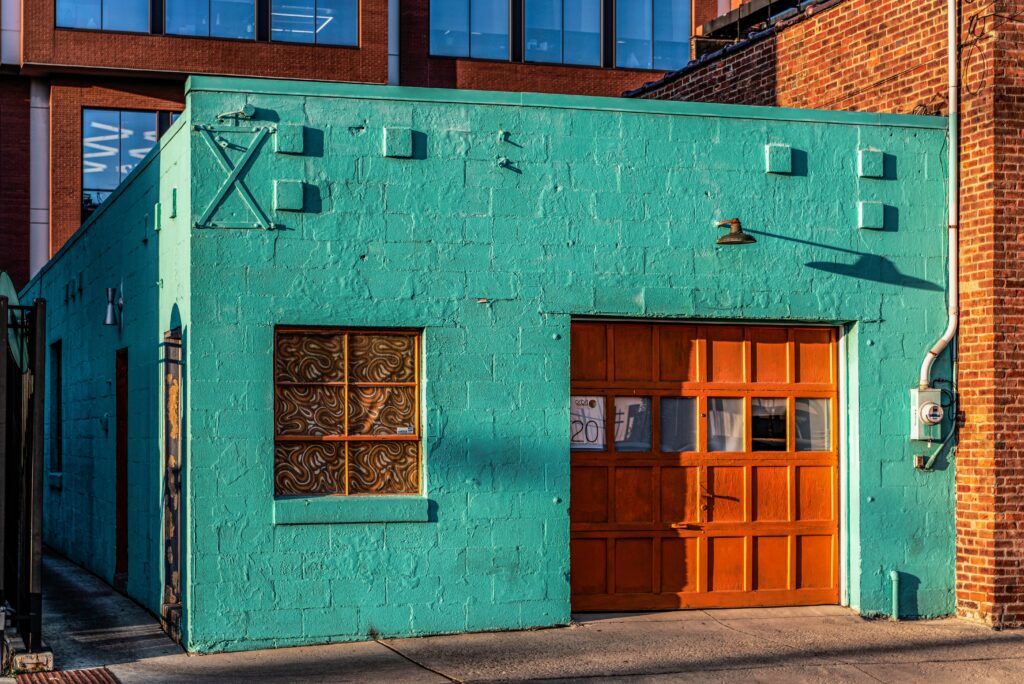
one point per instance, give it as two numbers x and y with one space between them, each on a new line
161 119
615 41
517 39
416 437
513 38
102 29
208 36
601 4
359 29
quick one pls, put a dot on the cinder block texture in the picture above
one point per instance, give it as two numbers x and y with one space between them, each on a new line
598 213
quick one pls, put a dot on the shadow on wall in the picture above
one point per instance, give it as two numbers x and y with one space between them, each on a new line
871 267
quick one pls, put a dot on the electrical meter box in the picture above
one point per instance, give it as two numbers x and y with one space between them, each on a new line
926 415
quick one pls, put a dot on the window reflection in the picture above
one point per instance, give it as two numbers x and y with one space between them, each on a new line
108 15
678 424
813 425
470 28
652 34
768 424
217 18
632 423
488 24
562 31
113 142
725 424
323 22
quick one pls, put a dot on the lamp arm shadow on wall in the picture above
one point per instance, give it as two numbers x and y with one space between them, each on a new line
871 267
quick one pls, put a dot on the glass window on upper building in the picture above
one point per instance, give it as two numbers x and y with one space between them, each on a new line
214 18
113 142
562 31
104 15
470 28
322 22
652 34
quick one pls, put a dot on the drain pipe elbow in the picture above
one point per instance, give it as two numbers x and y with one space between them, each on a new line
895 577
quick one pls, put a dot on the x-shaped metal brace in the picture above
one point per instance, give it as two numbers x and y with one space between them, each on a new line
233 181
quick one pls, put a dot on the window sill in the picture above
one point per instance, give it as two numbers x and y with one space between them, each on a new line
338 509
55 480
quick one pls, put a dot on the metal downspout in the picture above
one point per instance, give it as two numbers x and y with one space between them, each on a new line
954 197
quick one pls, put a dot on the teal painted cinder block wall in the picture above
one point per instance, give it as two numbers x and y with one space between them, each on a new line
548 208
119 246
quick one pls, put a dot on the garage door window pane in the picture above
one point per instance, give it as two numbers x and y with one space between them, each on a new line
725 424
632 423
587 423
678 424
768 424
813 425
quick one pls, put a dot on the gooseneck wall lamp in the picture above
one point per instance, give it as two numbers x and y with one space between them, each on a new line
735 236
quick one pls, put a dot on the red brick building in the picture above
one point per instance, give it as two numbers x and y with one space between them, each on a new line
86 86
890 56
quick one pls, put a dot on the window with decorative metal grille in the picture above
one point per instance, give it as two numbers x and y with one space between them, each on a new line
346 412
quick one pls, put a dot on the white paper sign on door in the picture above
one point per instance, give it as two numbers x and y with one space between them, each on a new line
587 424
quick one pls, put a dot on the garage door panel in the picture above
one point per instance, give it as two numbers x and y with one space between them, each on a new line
589 351
679 571
711 479
725 354
814 354
680 494
771 563
589 572
726 563
677 353
632 352
771 493
769 355
814 566
815 498
634 495
725 494
633 566
588 494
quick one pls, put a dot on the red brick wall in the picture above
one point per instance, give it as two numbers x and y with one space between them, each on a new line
870 55
48 47
890 56
14 176
69 95
418 68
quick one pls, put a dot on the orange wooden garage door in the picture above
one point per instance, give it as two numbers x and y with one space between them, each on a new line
704 466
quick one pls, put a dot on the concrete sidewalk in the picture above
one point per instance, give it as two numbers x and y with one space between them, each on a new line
87 624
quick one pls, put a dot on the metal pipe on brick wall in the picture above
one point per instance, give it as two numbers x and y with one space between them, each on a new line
953 66
394 26
39 176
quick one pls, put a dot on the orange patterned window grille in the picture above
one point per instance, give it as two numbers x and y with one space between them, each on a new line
346 412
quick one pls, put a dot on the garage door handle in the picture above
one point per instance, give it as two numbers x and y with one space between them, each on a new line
685 526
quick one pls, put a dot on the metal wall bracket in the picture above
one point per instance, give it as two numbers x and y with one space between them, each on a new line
234 179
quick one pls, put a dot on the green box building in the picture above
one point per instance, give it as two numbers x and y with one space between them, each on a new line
388 361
